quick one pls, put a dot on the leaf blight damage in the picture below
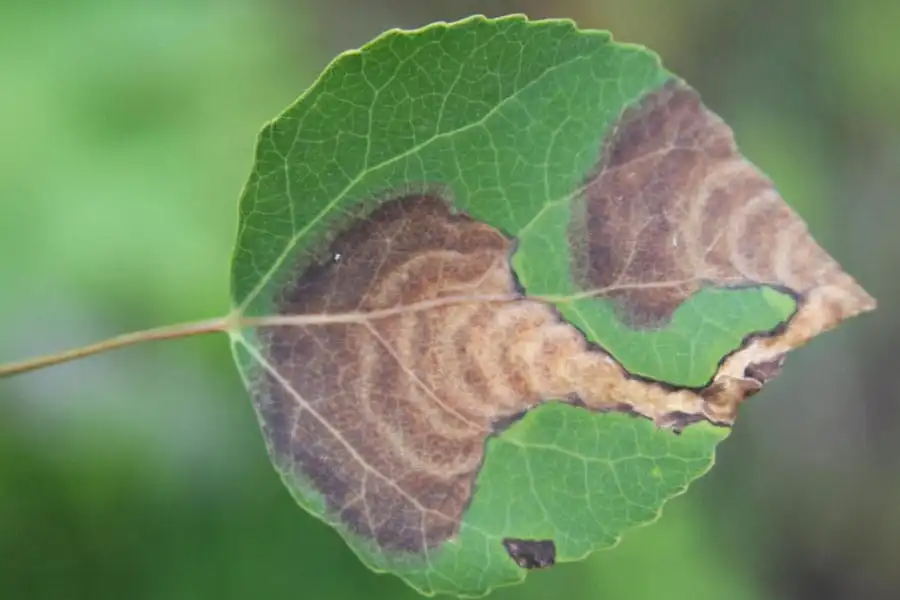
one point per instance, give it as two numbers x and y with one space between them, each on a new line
674 207
397 422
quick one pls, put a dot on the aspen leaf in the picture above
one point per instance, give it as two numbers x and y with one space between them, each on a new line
547 280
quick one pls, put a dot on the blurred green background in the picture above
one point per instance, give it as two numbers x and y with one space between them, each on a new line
126 134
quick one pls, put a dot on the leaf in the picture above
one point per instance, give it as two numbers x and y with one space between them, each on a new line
503 285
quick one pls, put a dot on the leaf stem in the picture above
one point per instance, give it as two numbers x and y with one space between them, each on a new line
167 332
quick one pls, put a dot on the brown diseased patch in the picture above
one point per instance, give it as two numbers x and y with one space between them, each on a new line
673 206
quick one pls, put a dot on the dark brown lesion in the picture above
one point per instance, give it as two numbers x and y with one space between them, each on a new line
312 408
531 554
657 217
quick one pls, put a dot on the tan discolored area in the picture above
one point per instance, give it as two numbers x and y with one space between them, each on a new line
386 409
674 206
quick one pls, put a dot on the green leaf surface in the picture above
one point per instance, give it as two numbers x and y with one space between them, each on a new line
525 257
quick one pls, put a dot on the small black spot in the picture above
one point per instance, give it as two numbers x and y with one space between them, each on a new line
531 554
